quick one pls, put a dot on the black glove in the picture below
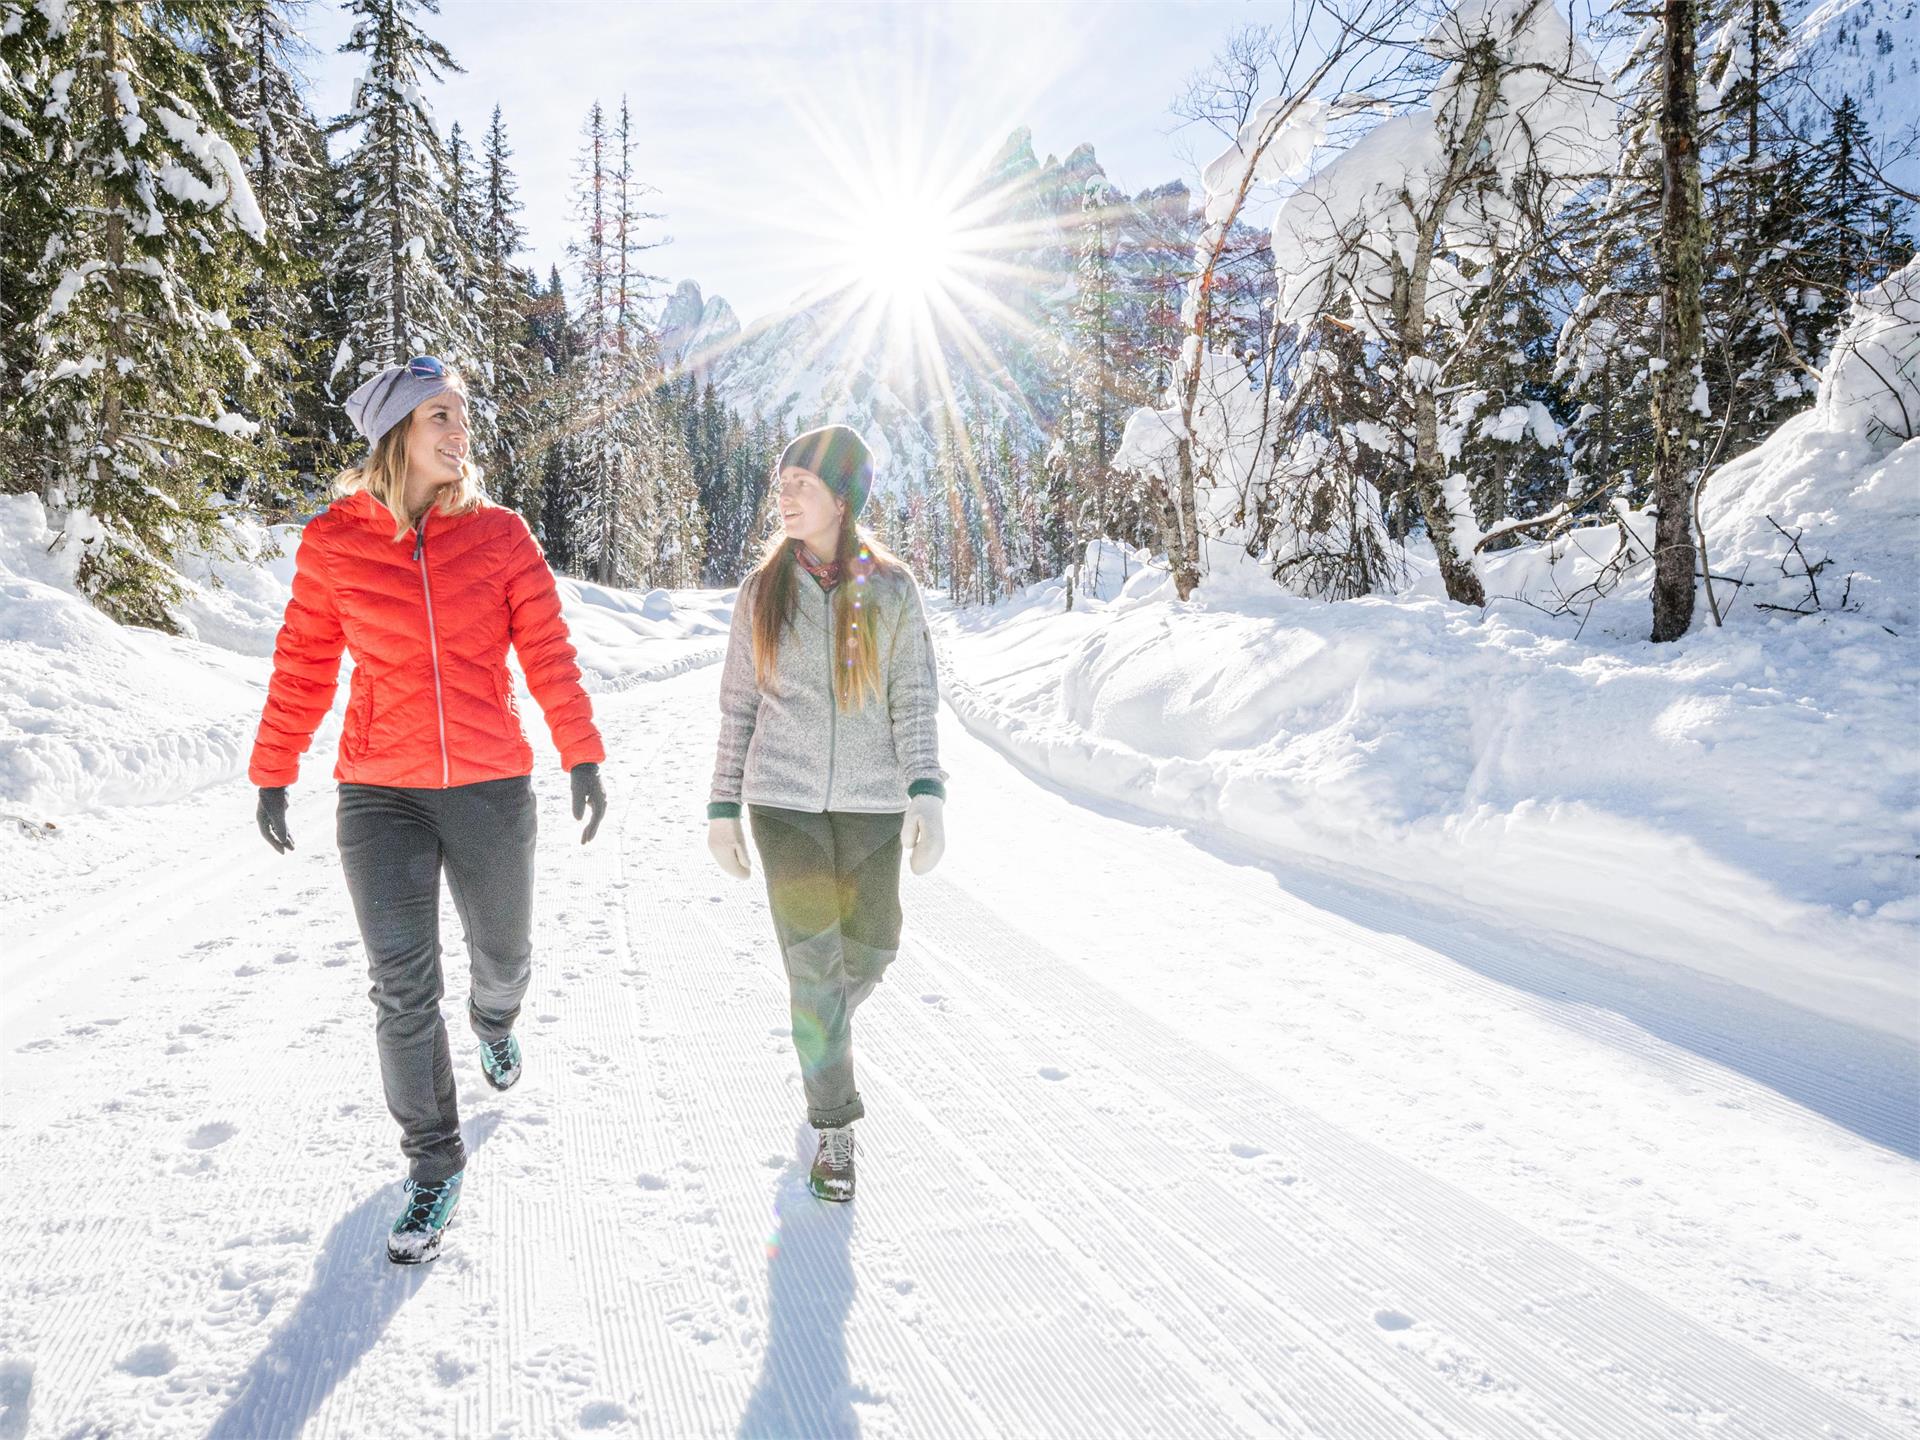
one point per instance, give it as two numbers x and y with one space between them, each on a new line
588 792
272 816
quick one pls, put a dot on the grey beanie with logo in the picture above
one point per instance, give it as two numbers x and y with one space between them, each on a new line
390 397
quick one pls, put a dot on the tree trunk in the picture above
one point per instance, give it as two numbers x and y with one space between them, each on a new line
111 400
1682 265
1426 479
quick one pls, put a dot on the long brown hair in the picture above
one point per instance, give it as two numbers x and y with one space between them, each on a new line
774 584
383 474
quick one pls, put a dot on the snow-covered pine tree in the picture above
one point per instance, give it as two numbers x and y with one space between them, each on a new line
395 226
1508 414
458 265
512 360
287 323
1756 202
30 204
1859 236
1320 519
553 503
615 431
136 397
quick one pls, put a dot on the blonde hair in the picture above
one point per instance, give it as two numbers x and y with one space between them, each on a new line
775 583
383 474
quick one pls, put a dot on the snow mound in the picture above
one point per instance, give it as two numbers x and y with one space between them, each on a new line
93 713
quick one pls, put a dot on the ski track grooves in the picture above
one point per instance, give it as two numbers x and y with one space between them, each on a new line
1413 1242
1072 1221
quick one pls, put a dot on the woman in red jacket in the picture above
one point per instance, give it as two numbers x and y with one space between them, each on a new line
427 584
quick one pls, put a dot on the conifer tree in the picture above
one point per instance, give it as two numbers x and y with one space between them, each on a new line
391 260
512 357
139 385
287 323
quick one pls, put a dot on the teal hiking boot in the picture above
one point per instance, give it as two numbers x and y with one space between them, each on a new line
500 1062
415 1238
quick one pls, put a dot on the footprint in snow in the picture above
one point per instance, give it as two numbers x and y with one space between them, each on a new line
602 1415
1392 1320
450 1370
1049 1072
285 957
153 1358
214 1132
1245 1151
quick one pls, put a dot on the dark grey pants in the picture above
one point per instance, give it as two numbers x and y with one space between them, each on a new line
833 884
393 844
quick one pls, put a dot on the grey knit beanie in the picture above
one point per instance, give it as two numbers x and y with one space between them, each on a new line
838 455
392 395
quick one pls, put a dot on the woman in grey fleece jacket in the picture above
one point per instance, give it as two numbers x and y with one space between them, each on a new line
828 703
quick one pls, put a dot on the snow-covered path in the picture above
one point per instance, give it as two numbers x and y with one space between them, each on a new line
1162 1143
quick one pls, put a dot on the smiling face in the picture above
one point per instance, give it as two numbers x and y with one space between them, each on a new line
809 511
436 447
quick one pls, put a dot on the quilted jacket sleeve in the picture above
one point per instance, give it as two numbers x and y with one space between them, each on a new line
306 671
739 710
539 635
913 694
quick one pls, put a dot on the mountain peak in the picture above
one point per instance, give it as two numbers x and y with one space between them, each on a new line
1015 154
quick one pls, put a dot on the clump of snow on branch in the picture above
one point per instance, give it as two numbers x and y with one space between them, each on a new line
1339 234
224 178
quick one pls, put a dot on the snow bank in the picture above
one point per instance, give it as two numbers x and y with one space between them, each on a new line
93 713
96 714
1742 803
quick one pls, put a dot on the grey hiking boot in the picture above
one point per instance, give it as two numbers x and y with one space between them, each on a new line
832 1175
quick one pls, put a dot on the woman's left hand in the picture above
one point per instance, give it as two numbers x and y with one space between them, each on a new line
588 793
924 834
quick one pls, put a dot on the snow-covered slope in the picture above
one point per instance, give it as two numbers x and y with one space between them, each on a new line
1869 49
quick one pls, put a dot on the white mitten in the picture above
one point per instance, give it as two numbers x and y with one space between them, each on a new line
924 834
728 842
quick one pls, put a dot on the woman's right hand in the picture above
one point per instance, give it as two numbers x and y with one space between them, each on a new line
271 814
728 842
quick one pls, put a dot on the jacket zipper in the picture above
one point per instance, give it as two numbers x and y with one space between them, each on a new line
833 698
433 647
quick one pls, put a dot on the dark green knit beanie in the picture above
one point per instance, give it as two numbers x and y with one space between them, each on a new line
838 455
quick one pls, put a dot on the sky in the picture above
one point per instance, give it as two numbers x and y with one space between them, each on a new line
764 127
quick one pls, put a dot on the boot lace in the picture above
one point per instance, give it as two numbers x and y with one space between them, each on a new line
837 1146
425 1200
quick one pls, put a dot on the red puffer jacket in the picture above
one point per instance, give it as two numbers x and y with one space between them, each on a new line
428 618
